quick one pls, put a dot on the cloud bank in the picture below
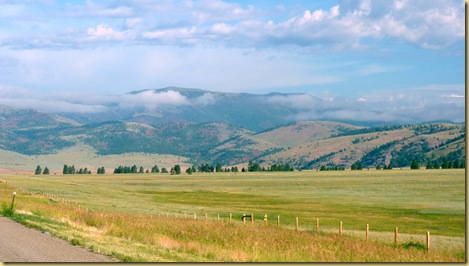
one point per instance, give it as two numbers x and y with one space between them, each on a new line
414 105
347 25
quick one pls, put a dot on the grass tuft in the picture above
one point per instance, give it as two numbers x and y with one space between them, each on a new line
416 245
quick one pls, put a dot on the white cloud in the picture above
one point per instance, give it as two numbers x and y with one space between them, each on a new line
453 96
21 98
106 33
299 101
428 24
412 105
205 99
152 100
177 35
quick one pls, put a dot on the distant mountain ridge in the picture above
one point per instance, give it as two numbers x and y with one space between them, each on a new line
229 128
172 104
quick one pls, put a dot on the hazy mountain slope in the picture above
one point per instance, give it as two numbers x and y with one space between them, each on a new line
305 144
254 112
16 119
398 147
298 132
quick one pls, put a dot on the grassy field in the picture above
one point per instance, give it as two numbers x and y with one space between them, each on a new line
160 210
84 156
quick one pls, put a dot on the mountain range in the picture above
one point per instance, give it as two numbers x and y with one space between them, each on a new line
229 128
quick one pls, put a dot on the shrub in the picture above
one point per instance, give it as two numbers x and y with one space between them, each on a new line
7 211
415 245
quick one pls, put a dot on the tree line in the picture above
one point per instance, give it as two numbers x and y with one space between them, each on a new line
440 163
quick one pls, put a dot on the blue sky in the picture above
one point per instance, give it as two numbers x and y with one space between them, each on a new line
370 52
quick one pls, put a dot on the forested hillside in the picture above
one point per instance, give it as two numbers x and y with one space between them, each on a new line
303 145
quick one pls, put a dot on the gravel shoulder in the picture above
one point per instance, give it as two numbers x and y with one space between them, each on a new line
21 244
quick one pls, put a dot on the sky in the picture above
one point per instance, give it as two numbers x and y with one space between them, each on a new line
377 56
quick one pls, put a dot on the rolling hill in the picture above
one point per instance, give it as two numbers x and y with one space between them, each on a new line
169 105
214 127
304 144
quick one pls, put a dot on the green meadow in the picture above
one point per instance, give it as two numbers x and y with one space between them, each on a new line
415 201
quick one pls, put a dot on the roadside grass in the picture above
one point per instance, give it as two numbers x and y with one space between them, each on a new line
139 238
133 216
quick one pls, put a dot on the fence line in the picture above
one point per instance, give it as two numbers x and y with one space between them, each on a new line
67 202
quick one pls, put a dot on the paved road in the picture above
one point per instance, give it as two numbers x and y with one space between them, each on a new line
22 244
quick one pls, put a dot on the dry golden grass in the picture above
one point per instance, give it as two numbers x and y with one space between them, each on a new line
146 238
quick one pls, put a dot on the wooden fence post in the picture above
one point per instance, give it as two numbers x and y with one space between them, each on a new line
296 223
230 217
195 216
252 218
206 217
340 228
317 225
218 217
265 219
278 220
396 235
367 231
244 218
428 241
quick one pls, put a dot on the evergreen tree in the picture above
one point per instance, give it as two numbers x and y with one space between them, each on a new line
444 165
429 165
218 167
65 170
46 171
253 167
141 170
189 171
415 164
38 170
360 166
177 169
378 167
164 171
71 170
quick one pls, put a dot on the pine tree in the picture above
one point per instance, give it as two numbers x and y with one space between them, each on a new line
65 170
46 171
218 167
415 164
177 169
429 165
360 166
38 170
